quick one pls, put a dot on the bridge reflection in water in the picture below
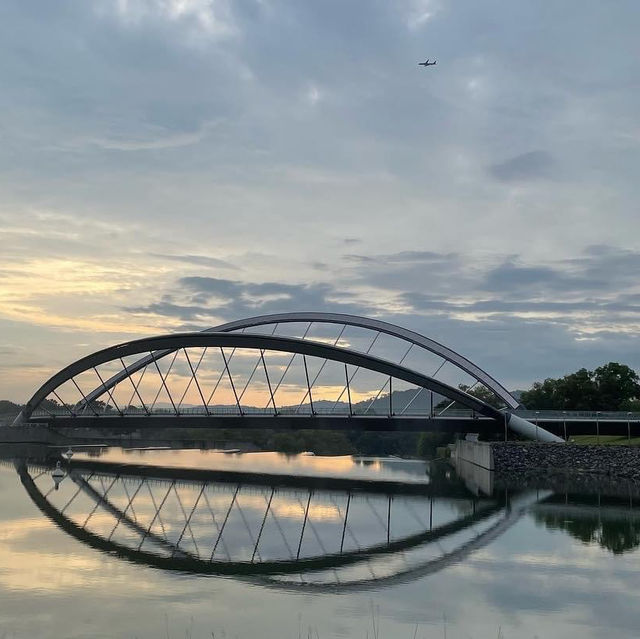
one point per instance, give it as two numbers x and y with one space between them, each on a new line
289 531
306 532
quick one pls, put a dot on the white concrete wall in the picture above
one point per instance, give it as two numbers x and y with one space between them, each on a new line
478 453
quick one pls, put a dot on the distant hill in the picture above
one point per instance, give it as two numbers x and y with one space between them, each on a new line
8 408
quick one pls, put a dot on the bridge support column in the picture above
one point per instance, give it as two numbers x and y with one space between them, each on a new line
531 431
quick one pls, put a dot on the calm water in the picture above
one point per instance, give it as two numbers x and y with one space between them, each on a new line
130 551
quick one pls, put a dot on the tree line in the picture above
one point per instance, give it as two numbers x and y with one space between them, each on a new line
612 387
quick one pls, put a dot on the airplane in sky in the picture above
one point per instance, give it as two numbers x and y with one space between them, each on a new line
427 63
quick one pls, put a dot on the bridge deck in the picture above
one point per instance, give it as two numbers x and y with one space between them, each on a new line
567 425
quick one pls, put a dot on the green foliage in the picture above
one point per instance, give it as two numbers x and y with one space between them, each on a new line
377 443
479 391
616 536
320 442
428 443
483 394
610 387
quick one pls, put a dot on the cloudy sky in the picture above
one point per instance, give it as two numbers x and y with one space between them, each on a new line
169 164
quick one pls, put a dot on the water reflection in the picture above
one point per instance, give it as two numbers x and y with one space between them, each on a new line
611 522
156 535
295 530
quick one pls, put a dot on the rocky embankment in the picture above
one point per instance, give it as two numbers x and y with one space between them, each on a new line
549 460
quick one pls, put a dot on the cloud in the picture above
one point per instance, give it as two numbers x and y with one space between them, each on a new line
198 260
156 138
420 12
204 18
208 299
527 166
511 278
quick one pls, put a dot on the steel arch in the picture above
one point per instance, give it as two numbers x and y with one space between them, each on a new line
333 318
291 345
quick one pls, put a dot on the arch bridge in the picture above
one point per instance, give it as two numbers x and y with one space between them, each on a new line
282 371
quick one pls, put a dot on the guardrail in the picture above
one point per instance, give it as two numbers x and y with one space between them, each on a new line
542 415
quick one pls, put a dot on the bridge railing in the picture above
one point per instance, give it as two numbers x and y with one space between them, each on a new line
224 411
590 415
341 411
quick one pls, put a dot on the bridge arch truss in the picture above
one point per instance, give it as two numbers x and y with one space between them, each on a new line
232 371
221 388
340 330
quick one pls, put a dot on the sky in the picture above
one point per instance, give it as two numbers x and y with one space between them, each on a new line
167 165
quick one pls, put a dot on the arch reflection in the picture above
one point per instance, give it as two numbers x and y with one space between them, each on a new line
282 531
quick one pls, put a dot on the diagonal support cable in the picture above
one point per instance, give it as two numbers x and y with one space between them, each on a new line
195 379
304 523
247 528
233 386
215 523
266 374
350 379
97 504
346 517
155 506
324 363
255 368
315 532
135 387
215 388
188 519
63 404
224 523
286 370
193 373
113 401
264 519
376 514
164 382
86 403
422 389
157 514
123 513
448 406
284 538
306 374
126 491
388 382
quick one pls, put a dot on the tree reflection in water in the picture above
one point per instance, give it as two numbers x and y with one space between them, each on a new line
612 523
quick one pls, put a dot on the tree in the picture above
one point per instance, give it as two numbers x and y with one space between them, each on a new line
479 391
617 384
616 536
612 387
482 393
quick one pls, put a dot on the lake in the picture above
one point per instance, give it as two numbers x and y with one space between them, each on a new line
200 544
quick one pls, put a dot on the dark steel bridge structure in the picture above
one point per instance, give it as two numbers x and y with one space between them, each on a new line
286 371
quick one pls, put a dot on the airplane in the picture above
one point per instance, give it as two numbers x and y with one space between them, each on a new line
427 63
